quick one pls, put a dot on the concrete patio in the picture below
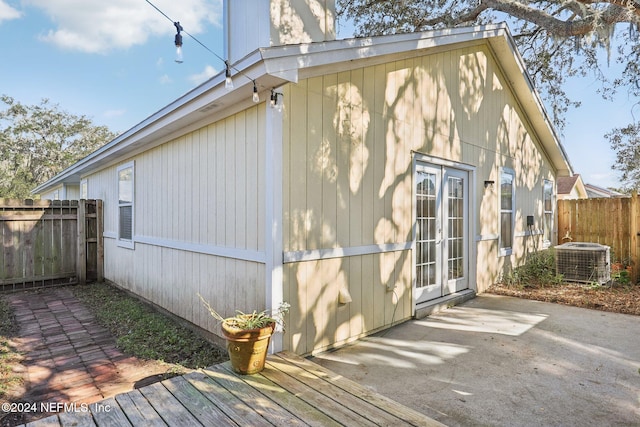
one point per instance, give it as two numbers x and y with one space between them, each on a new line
502 361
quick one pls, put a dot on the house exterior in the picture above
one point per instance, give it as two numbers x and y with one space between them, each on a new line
65 191
571 187
595 192
394 175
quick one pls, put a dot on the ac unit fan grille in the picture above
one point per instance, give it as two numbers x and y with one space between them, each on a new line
583 262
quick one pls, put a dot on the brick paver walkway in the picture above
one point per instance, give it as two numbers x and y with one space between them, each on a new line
69 357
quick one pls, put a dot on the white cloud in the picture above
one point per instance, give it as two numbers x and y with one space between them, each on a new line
205 75
114 113
165 79
98 26
7 12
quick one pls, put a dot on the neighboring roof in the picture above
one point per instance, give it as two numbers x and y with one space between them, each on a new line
567 184
594 192
275 66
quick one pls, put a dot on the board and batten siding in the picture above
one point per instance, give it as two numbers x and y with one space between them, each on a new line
199 220
348 144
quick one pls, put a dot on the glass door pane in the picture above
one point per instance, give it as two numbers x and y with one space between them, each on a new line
456 244
428 259
425 232
455 232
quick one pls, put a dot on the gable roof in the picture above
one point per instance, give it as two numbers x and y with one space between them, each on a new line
274 66
567 184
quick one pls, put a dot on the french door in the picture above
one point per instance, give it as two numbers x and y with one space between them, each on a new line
441 232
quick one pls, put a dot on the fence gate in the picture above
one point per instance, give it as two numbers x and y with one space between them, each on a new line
48 242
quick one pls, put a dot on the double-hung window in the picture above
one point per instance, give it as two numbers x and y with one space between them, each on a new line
125 204
507 206
547 200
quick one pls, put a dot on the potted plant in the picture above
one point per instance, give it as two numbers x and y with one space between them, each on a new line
248 336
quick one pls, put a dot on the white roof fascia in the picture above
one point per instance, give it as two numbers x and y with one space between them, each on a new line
170 121
292 60
530 100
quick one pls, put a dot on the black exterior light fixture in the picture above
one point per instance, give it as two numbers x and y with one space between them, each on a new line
273 100
256 97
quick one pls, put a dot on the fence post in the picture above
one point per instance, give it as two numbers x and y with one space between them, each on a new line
563 224
100 242
81 259
633 231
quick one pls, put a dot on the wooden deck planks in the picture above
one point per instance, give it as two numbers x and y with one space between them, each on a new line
167 406
291 391
254 398
115 416
82 419
235 408
196 403
337 412
291 402
404 413
138 409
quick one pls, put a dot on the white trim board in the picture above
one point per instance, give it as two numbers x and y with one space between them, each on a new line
221 251
318 254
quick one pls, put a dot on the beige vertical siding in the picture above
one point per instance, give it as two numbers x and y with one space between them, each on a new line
348 182
65 192
201 192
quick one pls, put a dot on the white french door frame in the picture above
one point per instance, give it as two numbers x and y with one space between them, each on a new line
427 162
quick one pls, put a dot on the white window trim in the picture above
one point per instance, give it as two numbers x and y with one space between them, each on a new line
547 243
125 243
506 251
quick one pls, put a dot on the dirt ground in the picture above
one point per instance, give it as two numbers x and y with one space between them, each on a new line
615 298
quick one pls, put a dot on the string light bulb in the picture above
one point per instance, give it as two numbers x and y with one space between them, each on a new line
228 81
178 42
256 97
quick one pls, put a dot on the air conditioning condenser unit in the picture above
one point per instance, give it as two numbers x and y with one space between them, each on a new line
583 262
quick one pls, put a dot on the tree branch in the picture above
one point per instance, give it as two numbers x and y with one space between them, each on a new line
616 12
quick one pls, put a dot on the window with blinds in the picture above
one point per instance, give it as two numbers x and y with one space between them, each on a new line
125 204
547 197
507 204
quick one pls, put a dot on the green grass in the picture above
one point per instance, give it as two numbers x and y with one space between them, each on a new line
9 356
145 333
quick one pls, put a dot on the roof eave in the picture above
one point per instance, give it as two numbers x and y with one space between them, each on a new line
273 66
514 68
189 111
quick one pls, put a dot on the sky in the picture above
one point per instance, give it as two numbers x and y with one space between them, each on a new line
113 61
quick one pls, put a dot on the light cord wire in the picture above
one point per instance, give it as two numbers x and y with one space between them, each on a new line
226 63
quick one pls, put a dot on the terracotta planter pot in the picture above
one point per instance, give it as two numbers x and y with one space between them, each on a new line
247 348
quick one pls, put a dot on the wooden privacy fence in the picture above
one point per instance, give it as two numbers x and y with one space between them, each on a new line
613 222
47 242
